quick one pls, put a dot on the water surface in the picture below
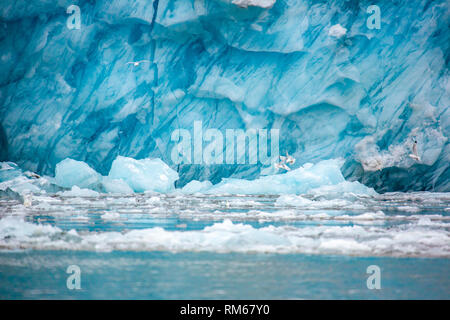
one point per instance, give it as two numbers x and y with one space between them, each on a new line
153 246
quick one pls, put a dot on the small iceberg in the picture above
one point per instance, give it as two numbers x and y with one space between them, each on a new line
69 173
197 186
127 175
325 174
144 175
14 180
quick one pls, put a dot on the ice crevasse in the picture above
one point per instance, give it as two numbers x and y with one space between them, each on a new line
312 69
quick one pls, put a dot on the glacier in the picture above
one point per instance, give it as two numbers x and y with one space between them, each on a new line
362 95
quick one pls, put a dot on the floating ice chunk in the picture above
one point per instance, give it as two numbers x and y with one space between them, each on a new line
78 192
354 187
69 173
80 218
338 196
293 200
413 239
196 186
297 181
72 232
7 166
19 230
21 185
110 216
337 31
349 246
116 186
144 175
12 177
266 4
8 171
365 216
302 203
126 176
424 221
408 208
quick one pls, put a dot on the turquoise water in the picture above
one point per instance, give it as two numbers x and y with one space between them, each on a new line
162 275
225 247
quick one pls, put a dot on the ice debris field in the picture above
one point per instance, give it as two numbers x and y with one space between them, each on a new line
309 210
99 98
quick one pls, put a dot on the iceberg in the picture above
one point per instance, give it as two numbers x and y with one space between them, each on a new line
14 182
127 175
197 186
8 171
324 176
69 173
144 175
116 186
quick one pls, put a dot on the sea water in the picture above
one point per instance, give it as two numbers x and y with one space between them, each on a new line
178 246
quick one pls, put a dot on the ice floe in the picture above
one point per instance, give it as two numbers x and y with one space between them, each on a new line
406 240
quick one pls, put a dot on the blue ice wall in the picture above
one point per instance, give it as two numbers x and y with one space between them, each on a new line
364 96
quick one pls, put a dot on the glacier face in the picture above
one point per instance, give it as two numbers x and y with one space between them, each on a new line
363 95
